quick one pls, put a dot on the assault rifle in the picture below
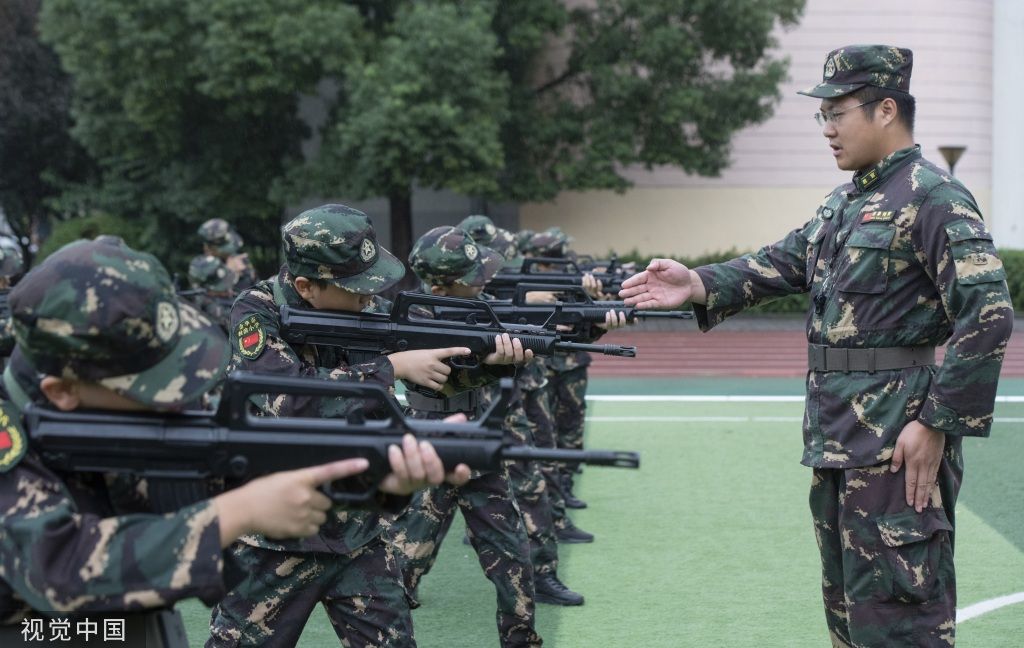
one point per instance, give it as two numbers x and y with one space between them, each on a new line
179 454
579 312
372 334
567 272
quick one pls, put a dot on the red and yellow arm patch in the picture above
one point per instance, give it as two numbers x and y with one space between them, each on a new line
251 336
12 441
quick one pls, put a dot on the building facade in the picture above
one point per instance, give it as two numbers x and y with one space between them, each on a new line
968 59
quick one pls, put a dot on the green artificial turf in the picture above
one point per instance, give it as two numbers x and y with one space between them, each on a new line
710 542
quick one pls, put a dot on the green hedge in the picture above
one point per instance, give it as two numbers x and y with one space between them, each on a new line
1013 261
89 227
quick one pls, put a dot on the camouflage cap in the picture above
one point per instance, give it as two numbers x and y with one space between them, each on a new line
12 263
850 68
209 273
505 244
523 238
549 243
480 227
217 233
338 244
449 255
103 313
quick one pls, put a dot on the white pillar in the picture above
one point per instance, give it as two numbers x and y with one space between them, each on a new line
1007 218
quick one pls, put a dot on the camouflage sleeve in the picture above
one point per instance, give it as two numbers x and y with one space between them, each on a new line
773 271
257 346
59 559
961 260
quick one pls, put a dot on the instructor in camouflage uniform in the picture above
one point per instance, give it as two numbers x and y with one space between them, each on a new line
897 262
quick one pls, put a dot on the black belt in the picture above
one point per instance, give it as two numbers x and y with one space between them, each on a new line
467 401
826 358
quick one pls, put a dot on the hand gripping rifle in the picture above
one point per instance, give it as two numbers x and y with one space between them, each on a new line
578 311
179 454
375 333
566 272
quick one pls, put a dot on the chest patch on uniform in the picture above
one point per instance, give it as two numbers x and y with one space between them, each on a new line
877 216
12 442
252 337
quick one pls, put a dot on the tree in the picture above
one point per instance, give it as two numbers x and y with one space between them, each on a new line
190 106
37 153
423 106
649 82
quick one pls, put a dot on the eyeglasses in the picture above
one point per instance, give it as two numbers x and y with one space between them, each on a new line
832 116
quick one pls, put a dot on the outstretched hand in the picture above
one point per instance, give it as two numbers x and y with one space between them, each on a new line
664 284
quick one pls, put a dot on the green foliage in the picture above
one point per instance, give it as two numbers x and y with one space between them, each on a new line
89 227
37 153
190 107
649 82
1013 261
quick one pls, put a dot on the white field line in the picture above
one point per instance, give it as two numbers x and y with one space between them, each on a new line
688 398
984 607
727 419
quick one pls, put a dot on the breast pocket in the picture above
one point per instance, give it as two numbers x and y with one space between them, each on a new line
867 267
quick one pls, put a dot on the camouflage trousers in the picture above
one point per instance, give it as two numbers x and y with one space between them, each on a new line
537 404
496 531
530 488
887 571
362 593
568 406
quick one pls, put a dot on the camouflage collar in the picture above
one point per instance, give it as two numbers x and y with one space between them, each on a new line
18 396
284 290
868 179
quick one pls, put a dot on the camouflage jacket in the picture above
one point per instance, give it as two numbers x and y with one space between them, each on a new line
256 345
63 548
247 278
899 257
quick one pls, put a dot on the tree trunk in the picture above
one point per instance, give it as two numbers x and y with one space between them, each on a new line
400 204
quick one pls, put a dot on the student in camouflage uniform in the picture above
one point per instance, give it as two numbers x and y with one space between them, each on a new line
12 264
99 326
451 263
897 262
332 261
483 230
562 406
213 285
532 424
222 241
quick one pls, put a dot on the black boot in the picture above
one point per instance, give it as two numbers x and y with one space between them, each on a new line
550 590
571 501
572 534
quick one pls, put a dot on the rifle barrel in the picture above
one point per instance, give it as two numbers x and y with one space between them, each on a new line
604 349
615 458
647 314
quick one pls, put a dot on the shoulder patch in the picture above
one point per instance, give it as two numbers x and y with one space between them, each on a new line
12 440
251 336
